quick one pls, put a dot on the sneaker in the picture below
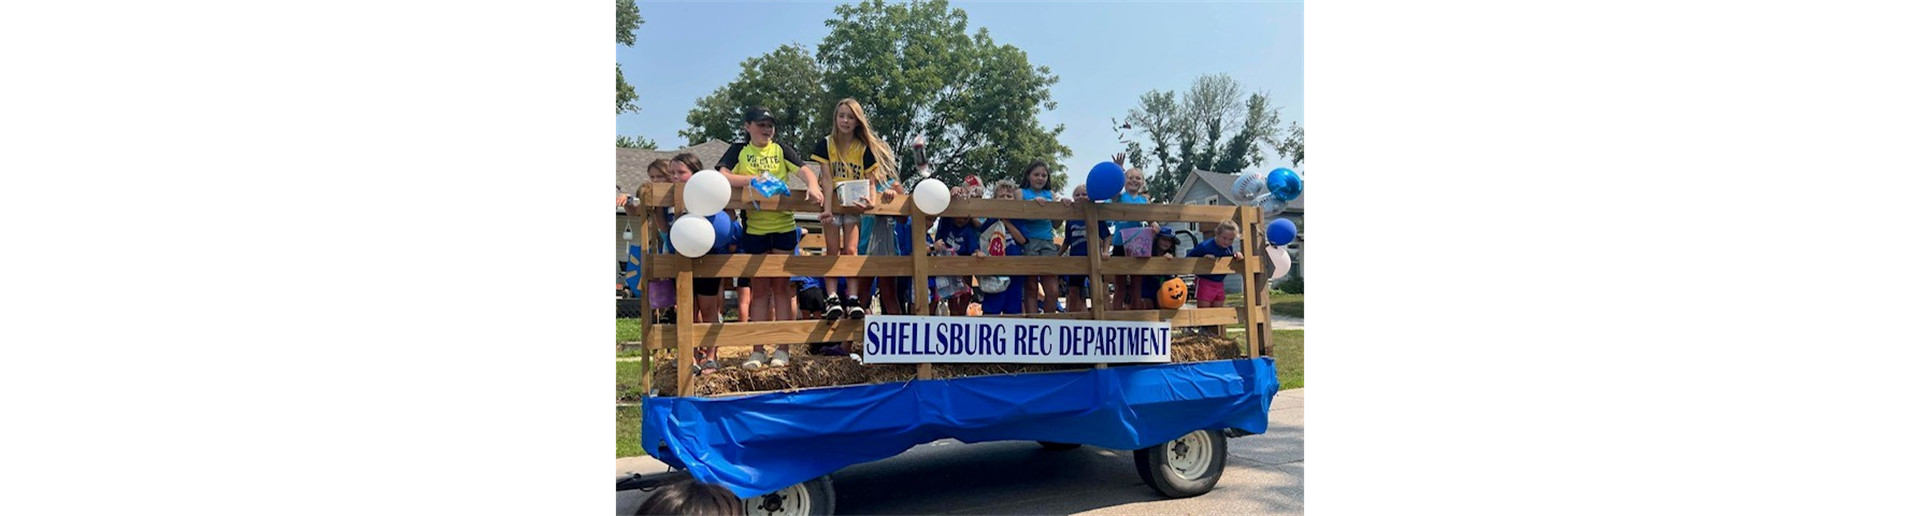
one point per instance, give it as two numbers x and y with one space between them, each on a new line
854 310
833 308
709 367
753 361
779 358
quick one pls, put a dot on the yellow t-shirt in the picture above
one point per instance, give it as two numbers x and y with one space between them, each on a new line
773 160
853 163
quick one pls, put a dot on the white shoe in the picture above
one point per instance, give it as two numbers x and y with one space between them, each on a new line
754 360
779 358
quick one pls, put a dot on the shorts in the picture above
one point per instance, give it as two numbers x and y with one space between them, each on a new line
1010 301
1075 281
813 300
846 220
783 242
1209 291
1038 247
706 286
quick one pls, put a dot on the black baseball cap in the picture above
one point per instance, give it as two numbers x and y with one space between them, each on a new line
757 113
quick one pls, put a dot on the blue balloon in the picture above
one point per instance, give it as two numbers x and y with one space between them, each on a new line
1284 183
722 231
1281 231
1105 181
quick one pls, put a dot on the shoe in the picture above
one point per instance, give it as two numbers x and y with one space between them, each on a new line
753 361
834 310
835 350
779 358
854 310
709 367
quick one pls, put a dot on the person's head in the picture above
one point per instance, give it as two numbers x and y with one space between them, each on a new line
1164 241
1136 181
688 498
759 124
683 166
657 171
1225 234
1080 194
1037 176
850 121
1006 189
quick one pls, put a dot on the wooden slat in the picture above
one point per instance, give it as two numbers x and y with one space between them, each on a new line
1097 285
813 241
773 266
1165 266
646 304
770 333
683 337
920 291
657 195
1259 311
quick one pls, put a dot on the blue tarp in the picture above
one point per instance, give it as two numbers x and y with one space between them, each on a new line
758 444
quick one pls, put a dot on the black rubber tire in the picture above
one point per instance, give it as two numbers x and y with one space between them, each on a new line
1053 446
1151 463
819 493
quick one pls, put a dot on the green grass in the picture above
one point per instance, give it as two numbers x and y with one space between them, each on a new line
626 428
1289 357
627 375
1292 305
626 330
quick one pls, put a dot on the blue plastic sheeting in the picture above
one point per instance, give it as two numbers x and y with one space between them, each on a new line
758 444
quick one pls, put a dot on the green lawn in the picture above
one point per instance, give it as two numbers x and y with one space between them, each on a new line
626 428
626 330
1289 357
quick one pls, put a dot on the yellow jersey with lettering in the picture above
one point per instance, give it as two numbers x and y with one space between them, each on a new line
773 160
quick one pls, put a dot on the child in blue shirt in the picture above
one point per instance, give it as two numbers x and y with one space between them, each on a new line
1008 301
1037 186
956 236
1210 289
1077 245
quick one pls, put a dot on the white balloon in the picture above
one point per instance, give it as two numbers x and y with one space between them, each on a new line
1280 261
931 196
708 192
692 236
1249 186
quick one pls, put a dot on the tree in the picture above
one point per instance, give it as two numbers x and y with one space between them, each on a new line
635 142
1190 132
915 70
626 20
785 81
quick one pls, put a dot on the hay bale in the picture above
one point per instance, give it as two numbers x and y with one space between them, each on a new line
806 370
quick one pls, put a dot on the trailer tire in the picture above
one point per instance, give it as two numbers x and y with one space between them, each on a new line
1183 467
810 498
1053 446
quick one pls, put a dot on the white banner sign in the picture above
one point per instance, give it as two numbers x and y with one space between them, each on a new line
900 339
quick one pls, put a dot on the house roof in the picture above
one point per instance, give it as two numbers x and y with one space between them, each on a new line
1223 183
630 165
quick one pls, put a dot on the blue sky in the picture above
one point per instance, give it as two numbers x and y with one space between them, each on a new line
1105 53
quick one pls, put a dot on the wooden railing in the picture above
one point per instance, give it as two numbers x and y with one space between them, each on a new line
683 336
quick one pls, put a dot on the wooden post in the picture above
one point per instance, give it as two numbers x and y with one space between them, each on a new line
918 247
683 324
643 219
1252 277
1096 283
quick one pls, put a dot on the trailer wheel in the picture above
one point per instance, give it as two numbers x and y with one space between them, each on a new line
1053 446
810 498
1188 466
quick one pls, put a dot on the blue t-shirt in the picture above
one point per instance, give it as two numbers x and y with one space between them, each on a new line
963 239
1127 198
1036 229
1211 247
1077 236
727 247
